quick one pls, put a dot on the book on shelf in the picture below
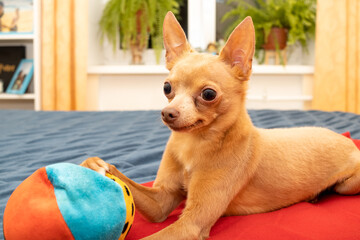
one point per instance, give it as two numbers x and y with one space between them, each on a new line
16 16
10 58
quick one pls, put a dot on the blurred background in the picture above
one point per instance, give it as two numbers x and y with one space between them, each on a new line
92 55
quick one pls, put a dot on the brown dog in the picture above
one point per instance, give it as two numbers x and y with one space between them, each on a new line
217 159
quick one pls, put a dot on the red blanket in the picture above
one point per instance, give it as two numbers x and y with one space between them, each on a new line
333 217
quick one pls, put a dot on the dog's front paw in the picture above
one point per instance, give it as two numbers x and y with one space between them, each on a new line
96 164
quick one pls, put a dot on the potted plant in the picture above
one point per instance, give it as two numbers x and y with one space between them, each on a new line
133 21
278 23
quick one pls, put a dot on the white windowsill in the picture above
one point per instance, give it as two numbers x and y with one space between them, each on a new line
161 69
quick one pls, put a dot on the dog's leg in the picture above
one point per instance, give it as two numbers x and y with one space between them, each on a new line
209 194
154 203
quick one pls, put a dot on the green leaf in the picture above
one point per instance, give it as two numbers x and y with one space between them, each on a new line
298 16
119 18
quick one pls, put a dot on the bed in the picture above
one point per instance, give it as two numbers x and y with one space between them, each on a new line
134 142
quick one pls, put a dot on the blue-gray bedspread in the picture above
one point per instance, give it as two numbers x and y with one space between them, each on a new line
132 141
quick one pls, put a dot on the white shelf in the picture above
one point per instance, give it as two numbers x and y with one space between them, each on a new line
16 36
286 70
161 69
127 69
27 96
279 98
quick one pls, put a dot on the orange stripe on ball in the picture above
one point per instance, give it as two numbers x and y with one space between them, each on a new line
32 211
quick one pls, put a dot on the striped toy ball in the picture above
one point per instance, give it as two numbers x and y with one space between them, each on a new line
67 201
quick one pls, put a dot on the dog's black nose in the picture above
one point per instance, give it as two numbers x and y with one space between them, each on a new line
170 115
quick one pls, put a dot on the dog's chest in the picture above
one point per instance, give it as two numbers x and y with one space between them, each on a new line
187 152
194 154
191 155
186 180
187 158
187 155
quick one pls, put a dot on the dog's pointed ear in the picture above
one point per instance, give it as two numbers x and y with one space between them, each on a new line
240 47
175 41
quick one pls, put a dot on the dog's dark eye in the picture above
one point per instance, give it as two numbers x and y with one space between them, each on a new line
208 94
167 88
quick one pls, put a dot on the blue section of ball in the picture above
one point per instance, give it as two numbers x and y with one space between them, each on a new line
92 205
